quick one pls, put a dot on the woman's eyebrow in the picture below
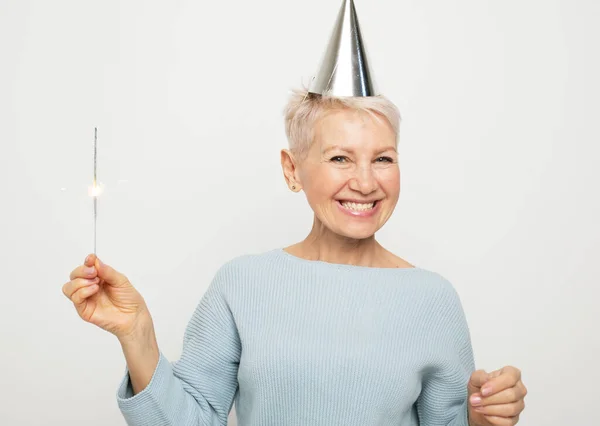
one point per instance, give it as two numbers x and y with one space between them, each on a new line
386 149
334 148
337 147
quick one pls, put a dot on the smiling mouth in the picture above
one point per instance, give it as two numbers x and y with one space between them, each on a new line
358 207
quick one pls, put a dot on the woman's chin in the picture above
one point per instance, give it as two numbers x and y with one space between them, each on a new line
357 232
357 228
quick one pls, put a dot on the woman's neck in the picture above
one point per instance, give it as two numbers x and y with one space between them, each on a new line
324 245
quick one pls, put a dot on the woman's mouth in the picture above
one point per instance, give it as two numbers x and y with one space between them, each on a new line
361 207
358 209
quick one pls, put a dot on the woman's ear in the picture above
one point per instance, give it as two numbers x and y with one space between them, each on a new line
290 171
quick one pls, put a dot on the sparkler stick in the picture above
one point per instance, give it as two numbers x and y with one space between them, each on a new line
95 188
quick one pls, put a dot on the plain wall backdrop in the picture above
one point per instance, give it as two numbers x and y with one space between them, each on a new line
499 151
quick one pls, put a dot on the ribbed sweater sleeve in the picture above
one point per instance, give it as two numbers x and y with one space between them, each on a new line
200 387
443 398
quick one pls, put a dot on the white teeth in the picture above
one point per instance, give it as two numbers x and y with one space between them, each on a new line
358 206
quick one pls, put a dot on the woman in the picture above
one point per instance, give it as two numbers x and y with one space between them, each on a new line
333 330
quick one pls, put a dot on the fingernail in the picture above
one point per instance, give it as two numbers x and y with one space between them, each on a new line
93 281
89 270
485 391
86 259
475 400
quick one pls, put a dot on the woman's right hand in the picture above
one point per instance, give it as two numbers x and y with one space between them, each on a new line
104 297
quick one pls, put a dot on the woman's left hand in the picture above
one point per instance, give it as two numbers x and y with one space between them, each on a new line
496 398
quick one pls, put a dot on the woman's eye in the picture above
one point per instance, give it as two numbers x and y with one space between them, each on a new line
338 159
385 160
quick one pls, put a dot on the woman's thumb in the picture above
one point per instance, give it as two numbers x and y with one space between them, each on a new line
110 275
478 379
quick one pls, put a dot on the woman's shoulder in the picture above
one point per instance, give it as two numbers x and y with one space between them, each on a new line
392 260
428 276
246 265
249 260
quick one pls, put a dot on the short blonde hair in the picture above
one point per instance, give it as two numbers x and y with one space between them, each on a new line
305 109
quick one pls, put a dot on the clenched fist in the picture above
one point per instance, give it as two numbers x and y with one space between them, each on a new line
496 398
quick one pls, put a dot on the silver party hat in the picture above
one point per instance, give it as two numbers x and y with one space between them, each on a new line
345 70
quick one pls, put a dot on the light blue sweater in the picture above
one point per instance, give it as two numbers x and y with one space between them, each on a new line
308 343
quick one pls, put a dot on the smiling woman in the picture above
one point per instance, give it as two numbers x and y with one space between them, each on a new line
343 154
332 330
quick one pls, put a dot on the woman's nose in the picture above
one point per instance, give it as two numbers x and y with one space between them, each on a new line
363 180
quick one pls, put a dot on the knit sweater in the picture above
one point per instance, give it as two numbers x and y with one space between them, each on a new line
297 342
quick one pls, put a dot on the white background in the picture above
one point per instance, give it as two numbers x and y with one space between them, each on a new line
499 147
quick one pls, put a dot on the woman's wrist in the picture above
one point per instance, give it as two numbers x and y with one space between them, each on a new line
141 354
141 333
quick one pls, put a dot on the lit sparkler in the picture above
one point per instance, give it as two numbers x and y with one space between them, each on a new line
95 189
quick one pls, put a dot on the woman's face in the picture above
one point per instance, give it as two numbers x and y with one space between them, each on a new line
351 175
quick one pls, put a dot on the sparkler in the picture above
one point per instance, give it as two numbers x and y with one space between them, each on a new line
95 189
95 184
